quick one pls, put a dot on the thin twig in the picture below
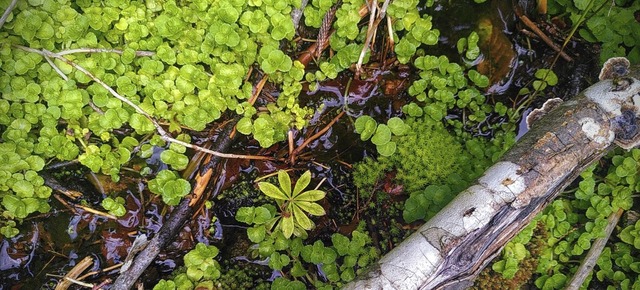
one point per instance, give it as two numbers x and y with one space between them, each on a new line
594 253
56 68
72 275
97 212
102 50
163 134
390 32
317 135
107 269
370 29
6 13
78 282
544 37
290 138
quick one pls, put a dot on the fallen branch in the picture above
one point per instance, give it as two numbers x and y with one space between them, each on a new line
175 223
314 137
450 249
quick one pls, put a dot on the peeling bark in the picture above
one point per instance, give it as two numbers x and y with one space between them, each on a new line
450 249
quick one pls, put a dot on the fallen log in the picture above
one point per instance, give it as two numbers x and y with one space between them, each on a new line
450 249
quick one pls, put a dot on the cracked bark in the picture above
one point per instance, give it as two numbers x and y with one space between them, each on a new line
450 250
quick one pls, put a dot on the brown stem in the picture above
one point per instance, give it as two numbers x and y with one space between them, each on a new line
316 136
544 37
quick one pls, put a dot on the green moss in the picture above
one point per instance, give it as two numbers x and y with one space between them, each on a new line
428 154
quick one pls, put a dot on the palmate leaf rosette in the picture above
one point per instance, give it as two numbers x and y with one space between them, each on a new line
294 204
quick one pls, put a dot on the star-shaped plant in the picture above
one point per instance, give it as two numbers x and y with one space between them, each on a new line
294 205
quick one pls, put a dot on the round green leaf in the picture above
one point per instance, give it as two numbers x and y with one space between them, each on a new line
387 149
244 126
256 234
397 126
382 135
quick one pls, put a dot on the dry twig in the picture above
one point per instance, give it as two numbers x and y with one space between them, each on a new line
314 137
594 253
6 13
544 37
72 275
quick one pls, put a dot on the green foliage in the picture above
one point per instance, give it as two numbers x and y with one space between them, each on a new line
613 24
380 135
203 52
434 153
200 271
631 235
515 252
443 86
430 165
284 284
114 206
106 158
544 78
469 46
340 262
424 204
170 186
276 61
294 204
572 224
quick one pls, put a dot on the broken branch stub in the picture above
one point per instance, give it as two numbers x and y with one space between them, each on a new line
450 249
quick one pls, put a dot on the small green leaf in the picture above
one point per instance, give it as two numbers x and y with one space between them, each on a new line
311 207
287 225
301 218
478 79
361 122
285 182
386 149
262 215
245 215
298 270
256 234
302 183
311 195
272 191
397 126
382 135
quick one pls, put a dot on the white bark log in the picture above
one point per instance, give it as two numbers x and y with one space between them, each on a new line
450 249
